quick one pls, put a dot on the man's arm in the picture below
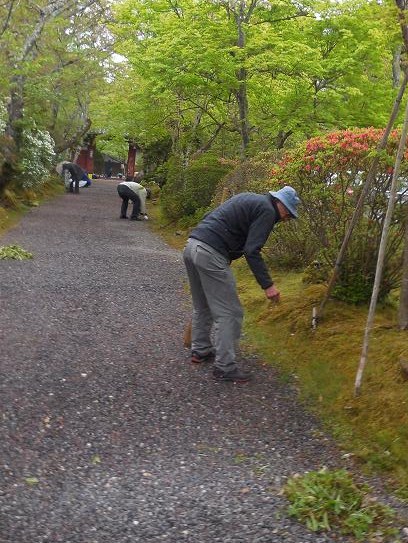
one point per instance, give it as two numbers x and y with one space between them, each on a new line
257 236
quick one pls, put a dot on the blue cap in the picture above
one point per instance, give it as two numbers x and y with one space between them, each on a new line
289 198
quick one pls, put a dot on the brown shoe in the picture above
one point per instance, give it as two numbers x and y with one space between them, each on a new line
202 358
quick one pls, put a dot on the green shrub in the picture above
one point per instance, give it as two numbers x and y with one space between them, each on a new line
158 176
172 191
201 180
316 272
327 500
153 188
247 176
14 252
190 221
190 189
36 159
290 248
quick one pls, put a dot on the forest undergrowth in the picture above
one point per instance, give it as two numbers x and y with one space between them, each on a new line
15 204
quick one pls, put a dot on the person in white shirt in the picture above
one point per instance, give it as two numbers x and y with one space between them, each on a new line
129 190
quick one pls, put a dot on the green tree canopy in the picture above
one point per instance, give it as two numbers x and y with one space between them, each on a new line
257 74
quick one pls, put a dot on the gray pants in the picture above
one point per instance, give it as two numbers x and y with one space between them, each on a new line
215 302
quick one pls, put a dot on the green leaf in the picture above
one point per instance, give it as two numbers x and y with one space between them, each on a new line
14 252
32 481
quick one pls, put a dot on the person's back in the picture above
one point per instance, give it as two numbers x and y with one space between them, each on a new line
72 173
137 194
76 171
240 226
228 227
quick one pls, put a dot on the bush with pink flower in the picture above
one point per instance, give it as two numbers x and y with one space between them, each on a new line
328 172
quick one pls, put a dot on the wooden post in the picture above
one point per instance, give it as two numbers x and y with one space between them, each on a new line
91 154
314 318
82 158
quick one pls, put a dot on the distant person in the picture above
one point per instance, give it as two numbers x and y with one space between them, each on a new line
108 169
238 227
87 180
72 175
129 190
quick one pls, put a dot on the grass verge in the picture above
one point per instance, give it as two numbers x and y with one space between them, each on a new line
323 363
13 204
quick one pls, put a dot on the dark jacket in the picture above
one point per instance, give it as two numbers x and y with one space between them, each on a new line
240 227
76 171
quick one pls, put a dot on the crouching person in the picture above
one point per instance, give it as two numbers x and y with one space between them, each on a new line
71 174
238 227
129 190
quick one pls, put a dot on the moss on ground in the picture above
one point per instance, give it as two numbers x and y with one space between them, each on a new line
323 363
13 205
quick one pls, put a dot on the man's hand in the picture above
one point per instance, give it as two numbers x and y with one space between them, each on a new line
272 293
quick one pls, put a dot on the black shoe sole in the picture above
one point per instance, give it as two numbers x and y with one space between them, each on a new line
237 380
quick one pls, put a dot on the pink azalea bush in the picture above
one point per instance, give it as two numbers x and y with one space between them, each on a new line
328 172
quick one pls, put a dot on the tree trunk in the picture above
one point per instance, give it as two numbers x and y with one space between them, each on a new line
381 252
15 109
76 138
403 301
206 146
396 66
6 22
242 100
241 94
281 138
7 163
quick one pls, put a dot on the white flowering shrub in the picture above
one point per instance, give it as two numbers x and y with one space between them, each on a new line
37 157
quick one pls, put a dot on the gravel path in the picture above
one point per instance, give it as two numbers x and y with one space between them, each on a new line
108 434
